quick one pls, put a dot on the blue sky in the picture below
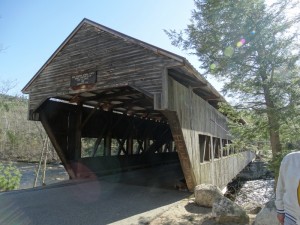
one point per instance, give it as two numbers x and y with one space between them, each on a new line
31 30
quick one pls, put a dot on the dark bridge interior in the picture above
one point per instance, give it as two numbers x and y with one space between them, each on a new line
104 132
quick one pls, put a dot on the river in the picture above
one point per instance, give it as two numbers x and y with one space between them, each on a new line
254 184
54 173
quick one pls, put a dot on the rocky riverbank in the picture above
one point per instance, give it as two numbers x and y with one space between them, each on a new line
187 212
251 190
254 185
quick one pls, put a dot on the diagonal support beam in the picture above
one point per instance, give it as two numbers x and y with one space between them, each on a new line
56 144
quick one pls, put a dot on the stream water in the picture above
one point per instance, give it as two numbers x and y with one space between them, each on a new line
258 191
54 173
254 184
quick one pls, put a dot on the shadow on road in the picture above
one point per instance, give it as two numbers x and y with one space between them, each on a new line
102 201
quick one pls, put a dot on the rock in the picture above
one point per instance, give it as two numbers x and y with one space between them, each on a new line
205 194
226 211
255 170
267 215
252 207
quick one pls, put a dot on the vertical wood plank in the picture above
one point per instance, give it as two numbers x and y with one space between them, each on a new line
77 153
129 145
212 161
165 103
107 144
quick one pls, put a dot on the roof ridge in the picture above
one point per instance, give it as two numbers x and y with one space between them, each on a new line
153 48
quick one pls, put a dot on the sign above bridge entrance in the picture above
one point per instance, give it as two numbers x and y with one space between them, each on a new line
83 79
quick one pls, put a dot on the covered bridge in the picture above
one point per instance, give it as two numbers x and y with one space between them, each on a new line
110 102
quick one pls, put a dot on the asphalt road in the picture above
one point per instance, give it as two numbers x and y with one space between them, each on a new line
128 198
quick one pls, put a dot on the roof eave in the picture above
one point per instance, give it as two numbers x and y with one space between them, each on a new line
25 89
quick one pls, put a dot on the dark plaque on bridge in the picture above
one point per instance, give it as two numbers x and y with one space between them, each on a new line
83 79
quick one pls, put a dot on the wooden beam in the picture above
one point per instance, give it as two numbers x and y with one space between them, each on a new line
140 147
129 145
89 116
221 147
121 146
181 149
146 143
107 145
165 137
77 138
116 95
55 143
99 139
212 158
199 86
97 143
165 89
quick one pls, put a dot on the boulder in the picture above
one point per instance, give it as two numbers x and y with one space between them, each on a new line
267 215
226 211
252 207
205 194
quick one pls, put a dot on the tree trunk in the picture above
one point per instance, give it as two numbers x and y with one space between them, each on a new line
274 134
273 122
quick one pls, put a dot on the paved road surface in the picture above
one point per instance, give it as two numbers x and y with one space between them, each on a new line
118 199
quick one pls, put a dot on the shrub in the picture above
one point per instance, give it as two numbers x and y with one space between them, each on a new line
10 177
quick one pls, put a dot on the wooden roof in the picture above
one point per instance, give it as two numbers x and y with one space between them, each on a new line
184 72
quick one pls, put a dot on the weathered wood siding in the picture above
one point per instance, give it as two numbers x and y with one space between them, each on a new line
117 62
222 170
196 117
194 113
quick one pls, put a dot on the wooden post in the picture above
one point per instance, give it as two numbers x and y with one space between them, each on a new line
121 146
77 152
107 145
146 143
212 160
221 147
45 163
165 89
129 145
40 163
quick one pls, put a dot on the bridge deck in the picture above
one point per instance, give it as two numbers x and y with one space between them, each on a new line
109 200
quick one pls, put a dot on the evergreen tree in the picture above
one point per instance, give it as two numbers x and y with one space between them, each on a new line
253 48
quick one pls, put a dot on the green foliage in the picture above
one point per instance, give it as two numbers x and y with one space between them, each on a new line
274 163
11 136
248 129
253 48
10 177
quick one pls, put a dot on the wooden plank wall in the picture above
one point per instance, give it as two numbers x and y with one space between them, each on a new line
197 117
195 113
116 61
224 169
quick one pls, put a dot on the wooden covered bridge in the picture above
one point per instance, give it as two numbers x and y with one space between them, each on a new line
109 102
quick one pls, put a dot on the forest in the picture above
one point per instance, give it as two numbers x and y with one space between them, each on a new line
20 139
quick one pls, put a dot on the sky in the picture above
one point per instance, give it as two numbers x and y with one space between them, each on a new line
31 30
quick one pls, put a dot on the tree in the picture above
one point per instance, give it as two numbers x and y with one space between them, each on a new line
253 49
